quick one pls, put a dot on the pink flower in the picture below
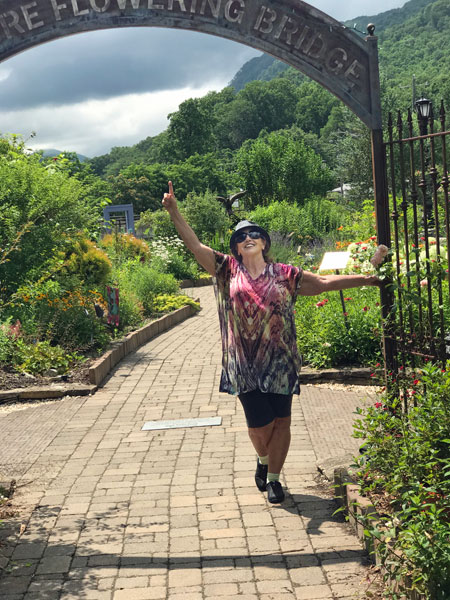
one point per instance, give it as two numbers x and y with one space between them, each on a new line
366 308
424 283
380 254
378 404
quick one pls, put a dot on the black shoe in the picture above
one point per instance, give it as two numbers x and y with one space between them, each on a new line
275 493
261 476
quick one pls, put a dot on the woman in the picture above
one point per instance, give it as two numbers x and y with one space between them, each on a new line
260 362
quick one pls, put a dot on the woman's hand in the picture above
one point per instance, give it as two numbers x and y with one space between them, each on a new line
169 201
374 280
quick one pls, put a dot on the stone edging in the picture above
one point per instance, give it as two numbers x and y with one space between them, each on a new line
104 365
51 391
347 495
355 376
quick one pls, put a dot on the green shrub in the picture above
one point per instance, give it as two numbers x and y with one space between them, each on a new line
6 342
171 256
41 356
363 223
221 241
166 303
405 471
281 216
283 250
65 317
320 218
316 219
145 282
155 224
41 207
124 246
205 215
90 264
131 309
328 338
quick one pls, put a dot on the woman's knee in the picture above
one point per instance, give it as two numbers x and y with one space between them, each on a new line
261 434
282 424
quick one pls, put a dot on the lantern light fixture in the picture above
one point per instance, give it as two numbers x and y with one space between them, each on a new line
423 108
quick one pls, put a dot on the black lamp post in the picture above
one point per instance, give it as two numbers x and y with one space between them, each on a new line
423 109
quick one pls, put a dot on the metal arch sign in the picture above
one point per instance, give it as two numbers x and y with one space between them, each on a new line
289 30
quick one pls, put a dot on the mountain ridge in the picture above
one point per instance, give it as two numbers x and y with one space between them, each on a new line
265 67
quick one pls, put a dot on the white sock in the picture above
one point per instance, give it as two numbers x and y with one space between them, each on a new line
263 460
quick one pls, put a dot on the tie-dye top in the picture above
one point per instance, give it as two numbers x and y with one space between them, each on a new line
258 327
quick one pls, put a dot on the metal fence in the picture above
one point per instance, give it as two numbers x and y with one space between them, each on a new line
418 185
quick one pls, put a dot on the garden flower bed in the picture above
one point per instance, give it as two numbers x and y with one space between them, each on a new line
399 493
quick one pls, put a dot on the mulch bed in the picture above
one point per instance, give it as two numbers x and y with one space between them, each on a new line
10 380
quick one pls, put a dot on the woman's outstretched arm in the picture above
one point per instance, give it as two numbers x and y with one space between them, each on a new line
312 284
203 254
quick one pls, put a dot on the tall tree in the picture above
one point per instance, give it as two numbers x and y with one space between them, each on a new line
277 166
190 130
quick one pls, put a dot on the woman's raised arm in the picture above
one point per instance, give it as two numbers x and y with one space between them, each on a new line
203 254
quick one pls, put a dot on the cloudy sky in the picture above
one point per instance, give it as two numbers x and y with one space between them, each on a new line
90 92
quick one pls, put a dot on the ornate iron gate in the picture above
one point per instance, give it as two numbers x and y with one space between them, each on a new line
418 186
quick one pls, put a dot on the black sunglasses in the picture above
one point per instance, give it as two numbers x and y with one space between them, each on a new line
253 235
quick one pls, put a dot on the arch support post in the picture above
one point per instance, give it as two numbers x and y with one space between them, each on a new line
384 237
381 194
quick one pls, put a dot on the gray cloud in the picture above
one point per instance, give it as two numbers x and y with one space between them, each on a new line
110 63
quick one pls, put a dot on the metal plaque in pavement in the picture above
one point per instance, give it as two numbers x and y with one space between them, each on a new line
182 423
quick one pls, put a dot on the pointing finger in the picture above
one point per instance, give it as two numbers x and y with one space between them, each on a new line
170 188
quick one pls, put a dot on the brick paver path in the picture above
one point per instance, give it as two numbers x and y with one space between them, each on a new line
124 514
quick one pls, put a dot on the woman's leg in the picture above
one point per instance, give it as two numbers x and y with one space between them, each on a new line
272 440
260 438
278 444
268 420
